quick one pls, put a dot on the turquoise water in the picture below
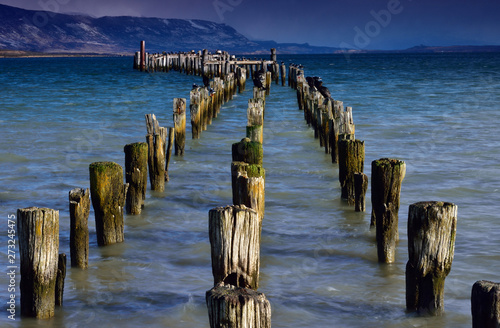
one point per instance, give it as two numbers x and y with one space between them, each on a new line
438 113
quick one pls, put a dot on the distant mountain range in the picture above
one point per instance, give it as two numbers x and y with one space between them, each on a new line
32 32
42 31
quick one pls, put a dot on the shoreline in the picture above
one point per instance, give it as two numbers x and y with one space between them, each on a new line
34 54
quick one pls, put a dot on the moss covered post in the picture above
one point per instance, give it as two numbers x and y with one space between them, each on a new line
485 304
248 175
180 125
351 160
108 195
38 233
136 175
248 151
431 245
79 208
387 177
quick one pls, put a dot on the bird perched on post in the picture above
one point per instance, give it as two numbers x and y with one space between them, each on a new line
259 79
206 81
310 82
324 92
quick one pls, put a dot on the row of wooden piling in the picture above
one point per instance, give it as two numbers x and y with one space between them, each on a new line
205 63
38 229
235 234
205 103
431 225
42 268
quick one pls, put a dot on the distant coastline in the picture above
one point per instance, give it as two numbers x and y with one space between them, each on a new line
428 49
7 53
32 54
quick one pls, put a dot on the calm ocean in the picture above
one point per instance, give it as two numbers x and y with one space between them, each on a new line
437 112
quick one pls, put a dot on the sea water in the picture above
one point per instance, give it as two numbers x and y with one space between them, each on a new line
437 112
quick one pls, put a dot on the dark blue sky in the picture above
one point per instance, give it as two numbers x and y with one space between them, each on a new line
364 24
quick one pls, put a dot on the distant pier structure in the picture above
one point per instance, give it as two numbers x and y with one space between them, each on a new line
205 63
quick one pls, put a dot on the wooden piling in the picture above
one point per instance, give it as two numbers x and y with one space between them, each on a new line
136 175
485 304
241 77
283 74
230 306
143 56
360 187
180 125
387 177
255 120
38 233
156 139
79 208
333 141
351 160
431 246
61 275
170 144
195 109
235 245
108 195
248 185
248 151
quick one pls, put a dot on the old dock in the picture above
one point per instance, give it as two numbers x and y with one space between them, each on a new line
234 231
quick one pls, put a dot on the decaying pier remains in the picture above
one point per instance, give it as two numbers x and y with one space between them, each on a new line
235 230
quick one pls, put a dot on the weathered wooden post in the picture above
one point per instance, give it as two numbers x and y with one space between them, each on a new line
273 55
38 233
108 195
485 304
387 177
143 56
136 175
61 275
255 120
204 99
431 245
79 208
241 76
248 185
235 242
195 109
235 247
156 139
230 306
360 187
260 94
180 125
170 145
351 160
268 83
283 74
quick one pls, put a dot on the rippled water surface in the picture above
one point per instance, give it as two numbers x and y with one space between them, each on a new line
439 113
